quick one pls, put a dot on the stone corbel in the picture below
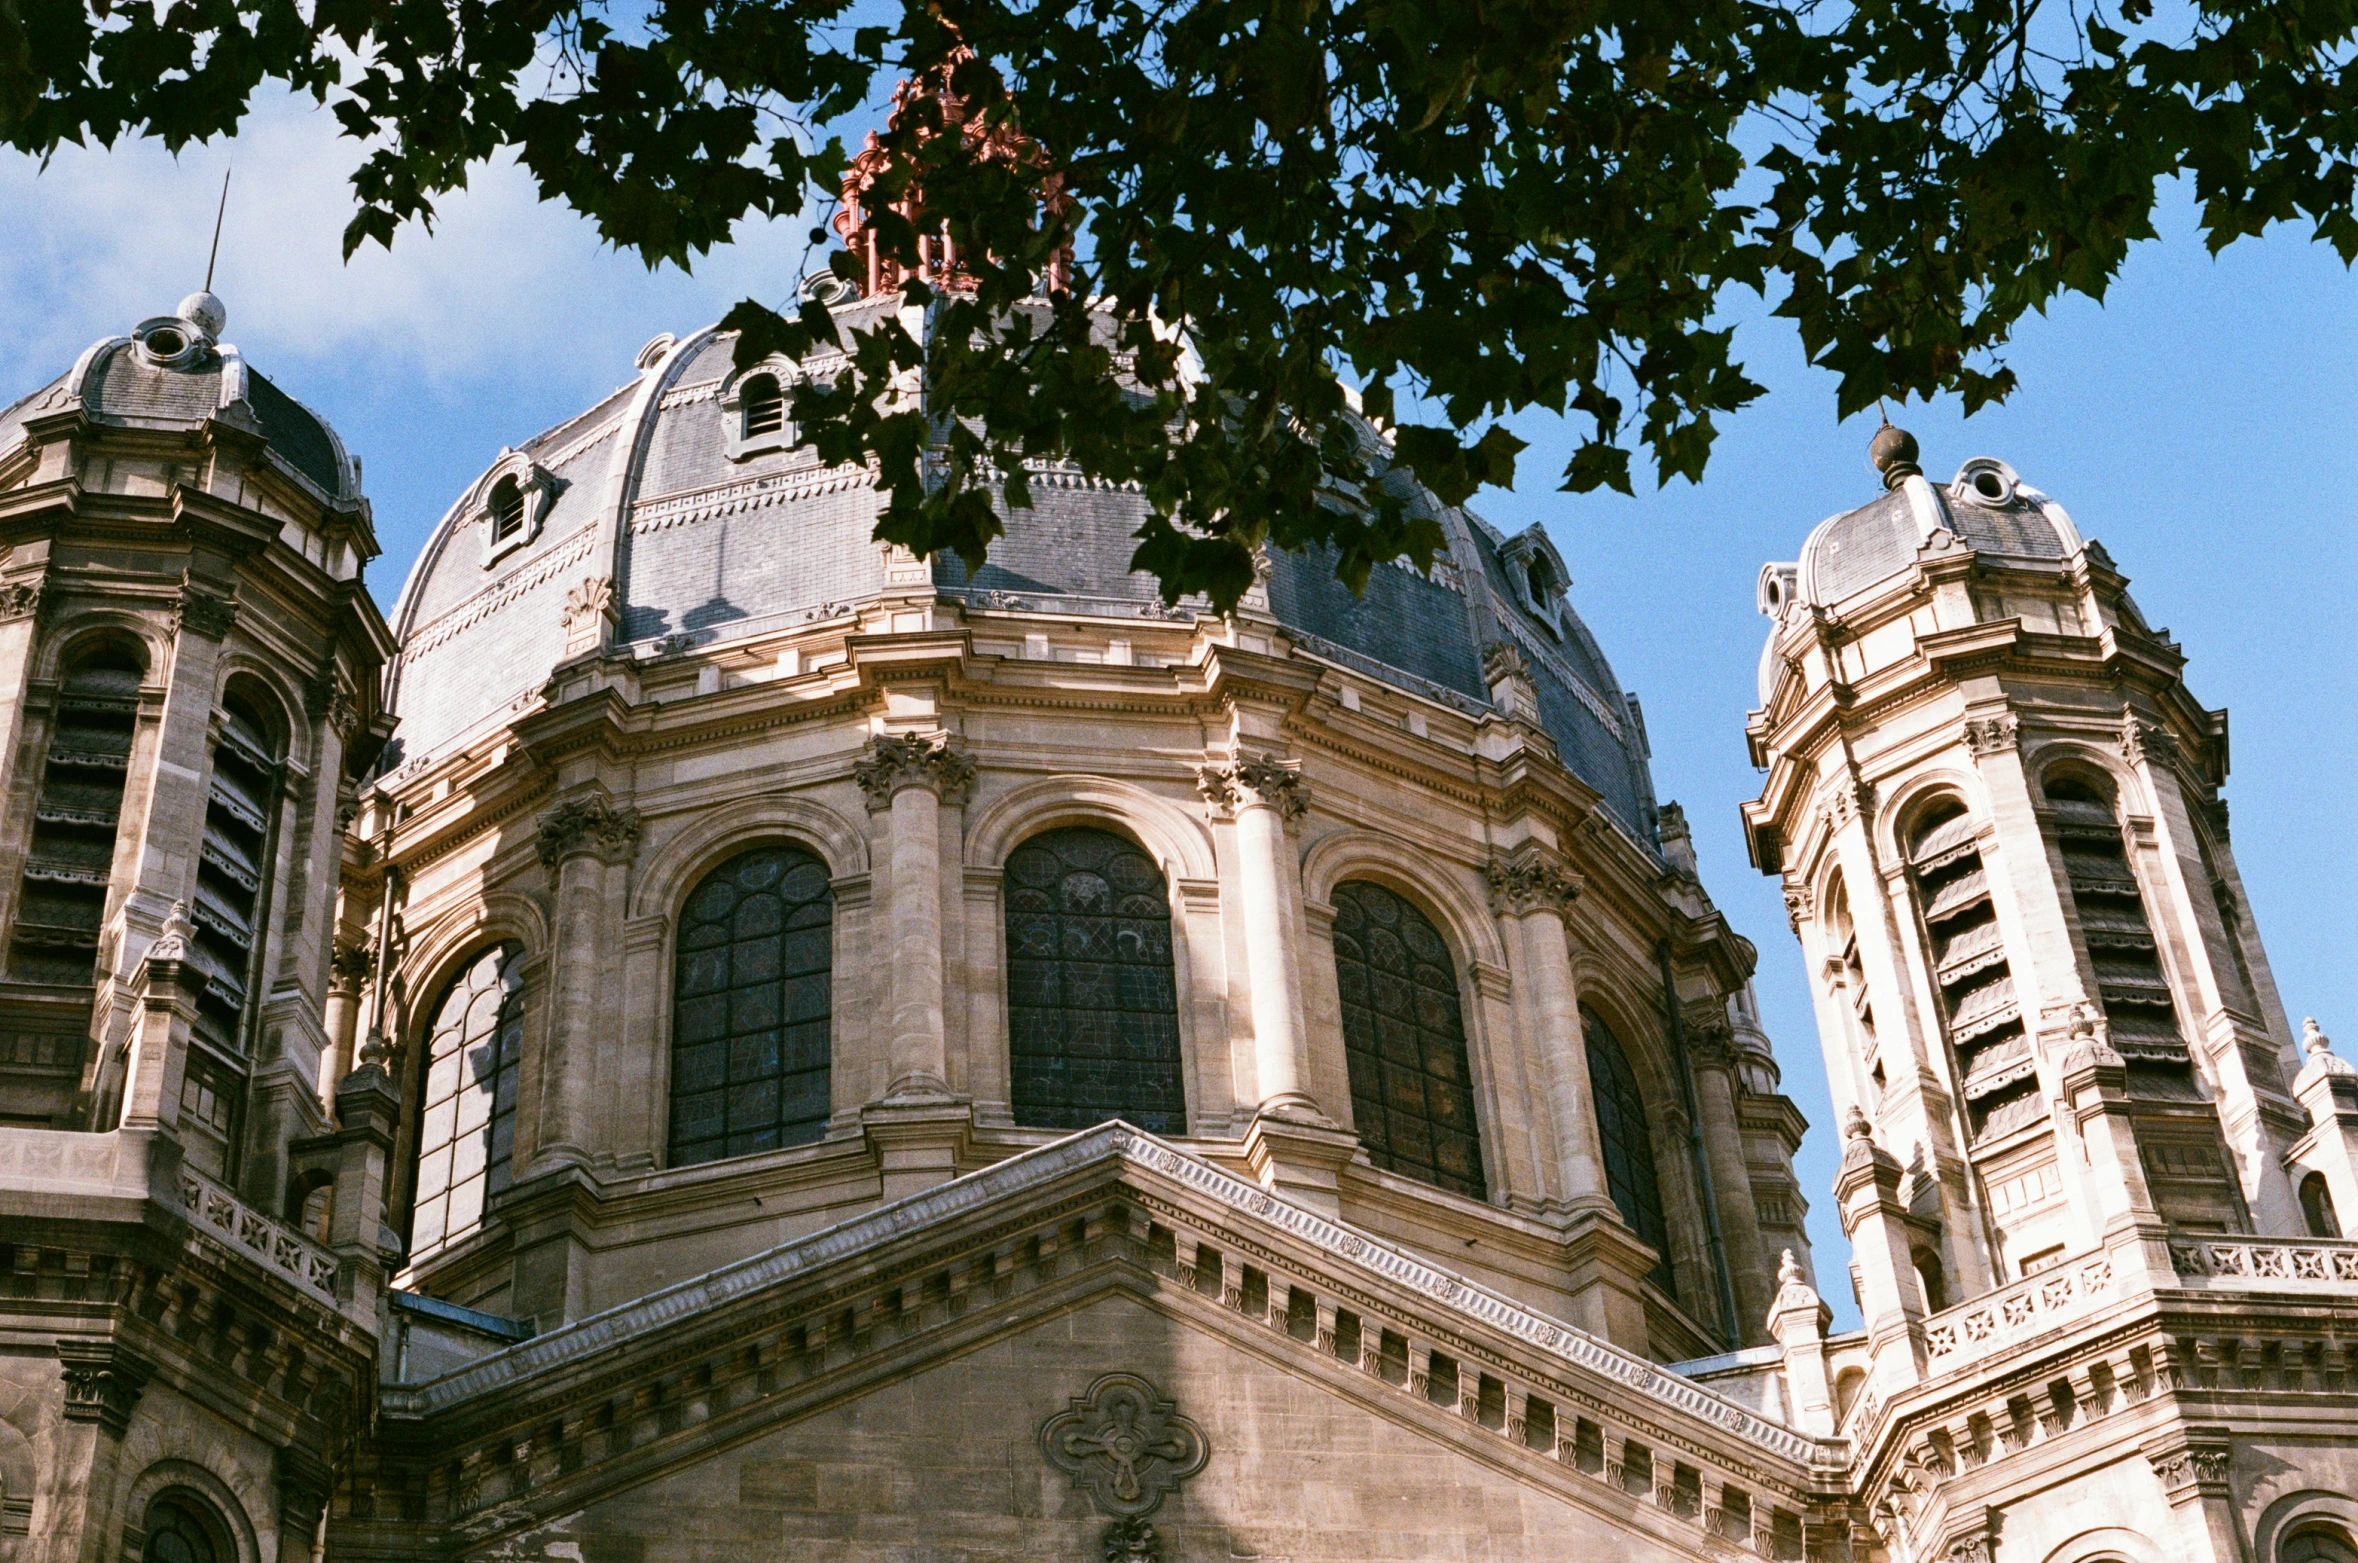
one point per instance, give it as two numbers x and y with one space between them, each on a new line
102 1382
895 761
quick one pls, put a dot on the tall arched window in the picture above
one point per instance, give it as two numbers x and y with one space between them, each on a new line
467 1101
180 1529
1627 1141
75 819
2139 1015
1092 1002
507 510
233 872
752 1003
1404 1041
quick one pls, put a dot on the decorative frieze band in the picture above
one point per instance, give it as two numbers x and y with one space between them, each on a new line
586 825
895 761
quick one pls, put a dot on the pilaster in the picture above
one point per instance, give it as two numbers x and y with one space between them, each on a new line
911 779
584 842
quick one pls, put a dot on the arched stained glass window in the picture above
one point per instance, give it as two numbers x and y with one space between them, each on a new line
2318 1544
1627 1141
1092 1003
751 1007
1404 1041
467 1116
179 1532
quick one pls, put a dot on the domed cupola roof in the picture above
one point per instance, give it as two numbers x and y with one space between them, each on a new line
174 372
685 490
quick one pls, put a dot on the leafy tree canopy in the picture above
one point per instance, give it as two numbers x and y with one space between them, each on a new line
1475 206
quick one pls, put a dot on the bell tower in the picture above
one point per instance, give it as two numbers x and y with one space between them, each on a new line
1996 809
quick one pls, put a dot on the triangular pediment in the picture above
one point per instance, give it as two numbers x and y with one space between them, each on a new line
1107 1252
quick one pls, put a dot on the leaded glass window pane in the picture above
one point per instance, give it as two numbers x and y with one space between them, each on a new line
467 1106
1628 1143
751 1007
1092 1004
1404 1041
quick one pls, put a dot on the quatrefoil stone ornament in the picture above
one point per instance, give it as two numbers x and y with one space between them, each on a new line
1125 1444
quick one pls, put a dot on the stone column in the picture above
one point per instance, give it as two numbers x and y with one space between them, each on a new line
584 841
2328 1089
1712 1057
1267 798
1531 892
102 1387
349 967
166 989
1797 1322
1874 1218
910 777
2096 1091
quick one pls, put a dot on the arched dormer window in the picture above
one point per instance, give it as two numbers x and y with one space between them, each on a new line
75 820
2317 1212
1979 1007
1404 1041
1092 998
507 511
752 1005
466 1123
1536 576
1626 1137
765 406
757 413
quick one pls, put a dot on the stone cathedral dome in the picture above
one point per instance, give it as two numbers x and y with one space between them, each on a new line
685 488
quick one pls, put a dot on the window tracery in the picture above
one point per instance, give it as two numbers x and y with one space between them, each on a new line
466 1127
1404 1041
752 1007
1092 998
1627 1140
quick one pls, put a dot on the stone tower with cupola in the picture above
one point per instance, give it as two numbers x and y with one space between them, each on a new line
191 1184
2067 1082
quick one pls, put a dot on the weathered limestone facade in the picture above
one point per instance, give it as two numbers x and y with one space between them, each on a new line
792 1049
2089 1182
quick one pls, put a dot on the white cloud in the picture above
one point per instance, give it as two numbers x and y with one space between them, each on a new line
102 239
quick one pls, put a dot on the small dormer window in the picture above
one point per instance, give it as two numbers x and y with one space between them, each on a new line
512 503
1543 585
507 510
765 406
757 416
1535 574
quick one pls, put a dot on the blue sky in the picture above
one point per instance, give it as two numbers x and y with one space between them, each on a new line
2199 422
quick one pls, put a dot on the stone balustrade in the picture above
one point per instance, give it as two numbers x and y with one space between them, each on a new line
2264 1264
224 1218
2030 1307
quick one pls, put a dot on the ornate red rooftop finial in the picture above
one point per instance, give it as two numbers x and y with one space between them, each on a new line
937 257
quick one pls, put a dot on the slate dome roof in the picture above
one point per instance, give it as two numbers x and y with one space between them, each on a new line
173 372
714 536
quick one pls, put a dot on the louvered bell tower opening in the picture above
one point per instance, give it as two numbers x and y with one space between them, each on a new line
1979 1006
227 911
75 818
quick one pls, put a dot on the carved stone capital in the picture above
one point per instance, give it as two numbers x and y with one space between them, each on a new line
1531 879
592 824
2144 742
1124 1444
1502 660
19 599
1799 904
203 614
2193 1466
102 1382
350 966
1711 1040
1987 735
898 760
1262 781
1851 800
303 1487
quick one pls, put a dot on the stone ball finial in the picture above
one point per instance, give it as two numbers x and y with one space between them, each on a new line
2323 1060
1788 1270
205 312
1855 1125
1893 453
2313 1038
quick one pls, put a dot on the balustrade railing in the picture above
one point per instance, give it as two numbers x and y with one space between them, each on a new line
227 1219
2256 1263
2031 1306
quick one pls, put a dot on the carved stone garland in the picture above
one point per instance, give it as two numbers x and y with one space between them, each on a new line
1128 1448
